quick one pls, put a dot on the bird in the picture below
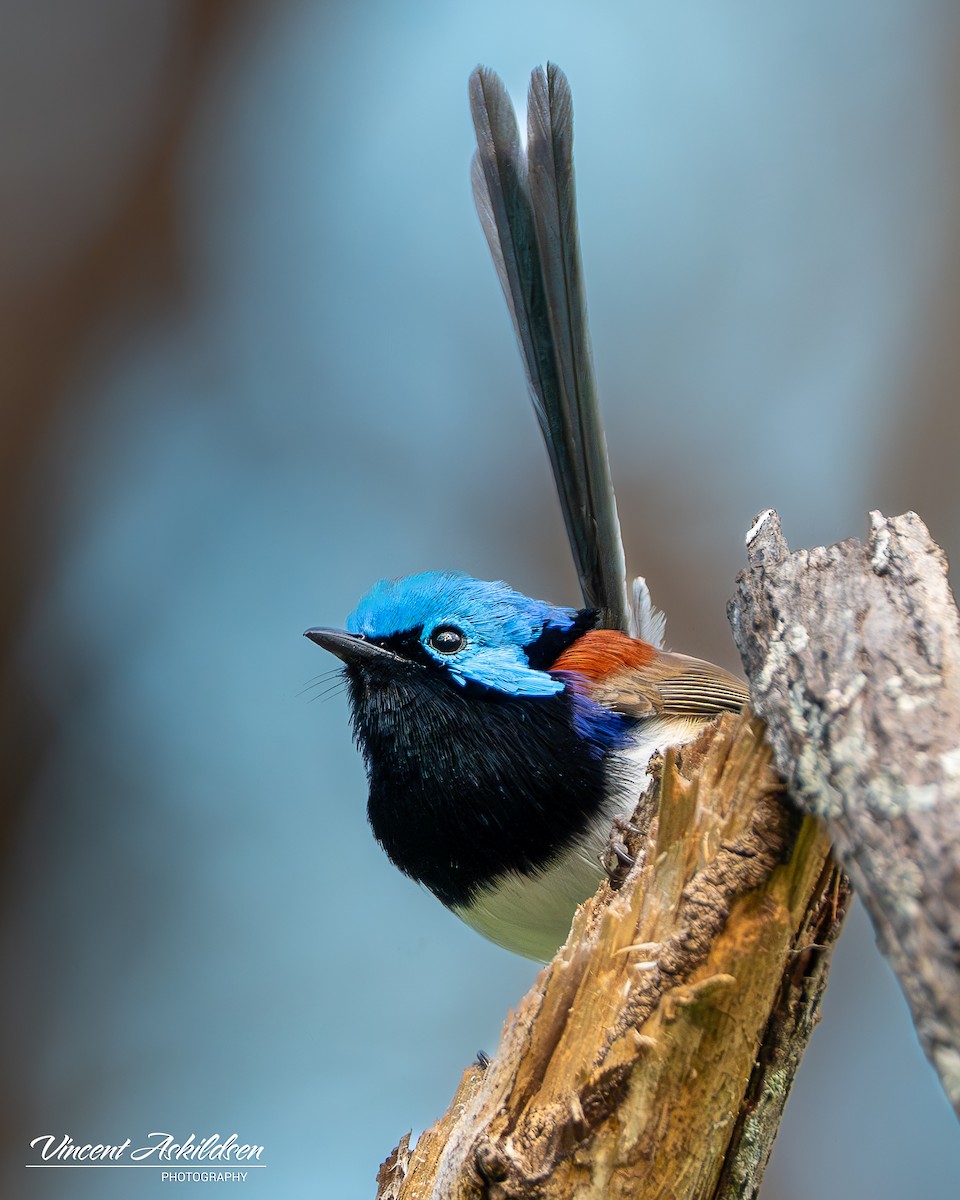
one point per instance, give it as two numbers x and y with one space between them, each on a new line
504 736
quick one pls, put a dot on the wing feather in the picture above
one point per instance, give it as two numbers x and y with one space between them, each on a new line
672 685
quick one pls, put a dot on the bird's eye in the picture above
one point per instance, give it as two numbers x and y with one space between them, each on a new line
448 639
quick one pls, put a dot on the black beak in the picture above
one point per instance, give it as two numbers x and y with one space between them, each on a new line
349 647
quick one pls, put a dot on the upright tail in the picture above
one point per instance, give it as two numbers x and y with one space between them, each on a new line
528 209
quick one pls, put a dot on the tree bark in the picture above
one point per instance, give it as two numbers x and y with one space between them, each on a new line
653 1056
853 656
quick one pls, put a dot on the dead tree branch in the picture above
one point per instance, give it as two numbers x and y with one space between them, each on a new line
853 656
653 1057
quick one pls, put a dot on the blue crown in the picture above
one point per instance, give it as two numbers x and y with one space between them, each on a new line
497 622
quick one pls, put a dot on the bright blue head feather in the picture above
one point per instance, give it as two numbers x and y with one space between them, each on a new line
496 621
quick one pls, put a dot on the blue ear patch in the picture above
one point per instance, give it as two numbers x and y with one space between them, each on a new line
496 621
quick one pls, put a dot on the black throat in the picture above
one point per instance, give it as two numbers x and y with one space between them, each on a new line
468 783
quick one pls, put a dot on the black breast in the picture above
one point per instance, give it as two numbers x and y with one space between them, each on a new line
466 784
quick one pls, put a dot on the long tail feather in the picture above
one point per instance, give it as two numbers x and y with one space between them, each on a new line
503 203
527 207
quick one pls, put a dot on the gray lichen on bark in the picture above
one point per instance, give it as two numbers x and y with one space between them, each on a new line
853 656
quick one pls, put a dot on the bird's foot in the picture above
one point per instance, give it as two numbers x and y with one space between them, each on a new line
616 859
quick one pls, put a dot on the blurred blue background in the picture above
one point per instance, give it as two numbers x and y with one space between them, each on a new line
254 357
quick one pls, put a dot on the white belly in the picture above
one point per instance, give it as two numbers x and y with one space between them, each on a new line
530 914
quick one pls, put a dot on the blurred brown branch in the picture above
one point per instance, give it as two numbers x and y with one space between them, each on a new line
132 250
